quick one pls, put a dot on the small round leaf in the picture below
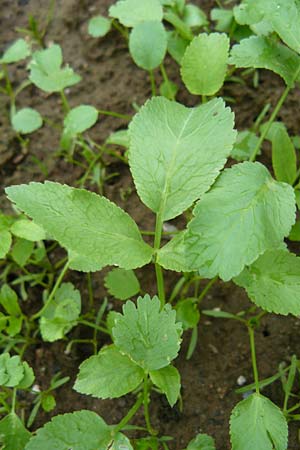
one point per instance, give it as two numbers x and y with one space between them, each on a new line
148 44
27 120
99 26
80 119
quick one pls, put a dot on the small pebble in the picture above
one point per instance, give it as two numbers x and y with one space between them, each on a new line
241 380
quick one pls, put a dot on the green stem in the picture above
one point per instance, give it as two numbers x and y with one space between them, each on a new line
166 80
133 410
65 102
293 408
114 114
53 292
153 85
204 99
206 289
158 268
146 406
253 358
92 325
14 400
273 117
90 289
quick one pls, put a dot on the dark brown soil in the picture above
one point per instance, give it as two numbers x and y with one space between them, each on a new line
111 81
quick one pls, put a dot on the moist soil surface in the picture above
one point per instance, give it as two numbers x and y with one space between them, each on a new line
111 81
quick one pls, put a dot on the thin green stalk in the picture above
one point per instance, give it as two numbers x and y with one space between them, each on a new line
166 80
90 289
114 114
272 118
92 325
158 268
53 292
121 30
65 102
253 358
206 289
153 85
14 400
133 410
293 408
146 406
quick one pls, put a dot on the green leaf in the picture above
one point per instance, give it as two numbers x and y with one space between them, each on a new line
28 377
284 158
245 143
295 232
108 374
202 442
132 12
28 230
148 335
21 251
13 434
95 231
187 313
219 314
5 242
62 313
256 423
80 430
224 19
264 53
46 72
9 300
121 442
119 137
204 65
273 282
122 283
148 44
244 214
167 380
19 50
168 89
80 119
194 17
176 153
177 46
99 26
48 402
26 121
11 370
173 255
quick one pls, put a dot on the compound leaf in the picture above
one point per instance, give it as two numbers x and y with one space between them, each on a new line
244 214
176 153
80 430
19 50
264 53
273 282
132 12
108 374
99 26
46 72
256 423
168 380
5 242
204 65
122 283
202 442
80 119
148 44
26 121
148 335
13 434
95 231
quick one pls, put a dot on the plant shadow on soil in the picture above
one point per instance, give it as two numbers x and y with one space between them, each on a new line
111 81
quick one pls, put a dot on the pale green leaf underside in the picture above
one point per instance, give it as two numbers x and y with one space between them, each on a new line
80 430
26 121
147 334
132 12
256 423
122 283
273 282
204 65
148 44
95 231
176 153
202 442
168 380
244 214
19 50
13 434
108 374
283 16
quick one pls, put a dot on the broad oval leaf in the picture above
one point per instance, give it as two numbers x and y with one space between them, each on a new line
13 434
148 335
19 50
168 380
29 230
94 230
204 65
263 53
108 374
122 284
256 423
99 26
202 442
148 44
244 214
26 121
80 430
80 119
273 282
46 72
176 153
132 12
